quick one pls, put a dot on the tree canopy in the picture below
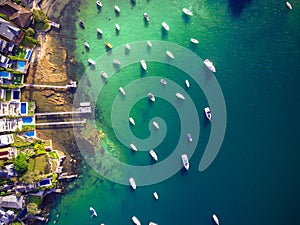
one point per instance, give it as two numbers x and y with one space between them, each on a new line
21 164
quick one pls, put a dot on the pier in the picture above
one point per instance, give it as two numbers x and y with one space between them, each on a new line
53 24
61 123
81 110
71 85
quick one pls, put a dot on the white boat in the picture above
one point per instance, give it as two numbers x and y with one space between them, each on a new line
91 62
86 44
127 46
152 223
208 113
143 64
118 28
185 161
132 183
195 41
117 9
93 212
210 65
180 96
131 120
99 31
153 154
163 81
122 91
133 147
155 124
151 97
149 43
189 136
289 5
135 220
155 195
103 74
146 17
216 219
99 3
117 62
170 54
165 26
187 12
187 83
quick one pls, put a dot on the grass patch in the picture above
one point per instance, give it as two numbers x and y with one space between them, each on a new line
53 155
39 165
21 143
35 199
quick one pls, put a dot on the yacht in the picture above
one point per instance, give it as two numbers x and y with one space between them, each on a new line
165 26
149 43
180 96
146 17
185 161
187 12
108 45
155 124
187 83
155 195
289 5
132 183
131 120
170 54
86 44
81 24
99 31
143 64
133 147
189 136
153 154
216 219
92 62
210 65
122 91
118 28
152 223
116 62
99 3
117 9
135 220
195 41
93 212
208 113
163 81
127 46
151 97
104 75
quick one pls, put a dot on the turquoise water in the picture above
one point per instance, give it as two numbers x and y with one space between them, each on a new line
254 178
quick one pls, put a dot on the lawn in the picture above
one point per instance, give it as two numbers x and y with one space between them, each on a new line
53 155
20 142
39 165
35 199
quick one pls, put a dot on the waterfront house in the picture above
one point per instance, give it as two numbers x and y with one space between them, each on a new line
10 32
11 171
6 47
4 61
6 139
12 202
8 153
6 217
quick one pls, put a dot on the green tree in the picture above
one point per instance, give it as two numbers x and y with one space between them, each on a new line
21 164
40 20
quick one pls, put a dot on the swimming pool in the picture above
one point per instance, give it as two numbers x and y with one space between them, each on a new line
4 74
16 95
21 65
30 133
28 54
27 120
45 182
23 108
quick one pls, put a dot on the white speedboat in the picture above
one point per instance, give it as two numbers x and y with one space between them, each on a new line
155 195
104 75
185 161
93 212
132 183
92 62
149 43
187 12
133 147
187 83
180 96
170 54
116 62
289 5
155 124
127 46
99 31
151 97
146 17
189 136
216 219
135 220
208 113
117 9
122 91
163 81
152 223
99 3
210 65
118 28
165 26
143 64
153 154
195 41
131 120
86 44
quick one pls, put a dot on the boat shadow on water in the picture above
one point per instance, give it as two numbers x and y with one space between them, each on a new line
133 3
164 34
186 18
99 36
143 72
